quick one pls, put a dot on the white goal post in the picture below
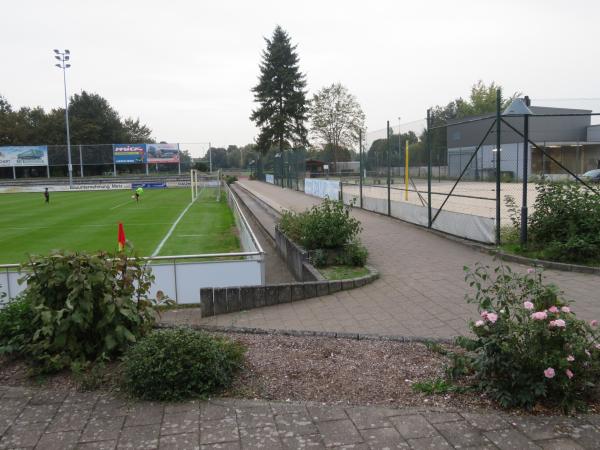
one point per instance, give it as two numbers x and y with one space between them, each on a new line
201 181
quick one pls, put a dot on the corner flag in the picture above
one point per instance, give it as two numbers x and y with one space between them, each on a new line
121 237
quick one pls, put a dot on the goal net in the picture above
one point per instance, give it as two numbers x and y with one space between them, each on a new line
205 186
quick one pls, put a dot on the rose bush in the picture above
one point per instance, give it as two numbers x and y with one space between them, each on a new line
529 346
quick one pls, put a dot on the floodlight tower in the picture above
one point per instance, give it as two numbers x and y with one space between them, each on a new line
63 57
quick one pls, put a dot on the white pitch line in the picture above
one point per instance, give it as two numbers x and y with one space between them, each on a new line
120 204
168 235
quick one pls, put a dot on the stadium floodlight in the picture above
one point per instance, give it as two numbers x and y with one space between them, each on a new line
63 57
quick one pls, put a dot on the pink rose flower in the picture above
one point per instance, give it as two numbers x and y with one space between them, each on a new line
540 315
570 358
553 309
565 309
597 346
492 317
569 373
479 323
558 323
530 271
549 372
594 323
484 314
528 305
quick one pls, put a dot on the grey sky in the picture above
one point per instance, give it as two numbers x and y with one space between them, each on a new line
185 68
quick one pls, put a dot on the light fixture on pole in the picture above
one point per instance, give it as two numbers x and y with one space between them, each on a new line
63 57
520 106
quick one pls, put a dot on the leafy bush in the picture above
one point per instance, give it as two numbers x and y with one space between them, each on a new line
85 306
318 257
16 326
355 254
230 179
529 345
180 363
328 225
565 224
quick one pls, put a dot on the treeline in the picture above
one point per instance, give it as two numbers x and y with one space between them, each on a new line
91 121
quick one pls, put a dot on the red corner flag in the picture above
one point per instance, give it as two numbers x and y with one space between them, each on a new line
121 237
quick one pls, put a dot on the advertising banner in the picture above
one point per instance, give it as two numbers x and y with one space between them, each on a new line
24 155
163 153
154 185
129 153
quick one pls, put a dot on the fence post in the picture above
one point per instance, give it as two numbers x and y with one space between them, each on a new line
525 170
428 138
498 169
389 162
360 167
80 161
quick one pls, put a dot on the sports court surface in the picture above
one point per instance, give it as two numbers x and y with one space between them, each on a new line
88 221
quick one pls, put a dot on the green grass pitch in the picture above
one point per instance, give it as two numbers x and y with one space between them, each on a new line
88 221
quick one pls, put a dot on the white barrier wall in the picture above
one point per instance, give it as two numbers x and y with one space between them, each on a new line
181 282
469 226
322 188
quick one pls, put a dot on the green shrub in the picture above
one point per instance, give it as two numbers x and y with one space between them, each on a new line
230 179
16 326
565 224
355 254
86 306
180 363
529 346
328 225
318 257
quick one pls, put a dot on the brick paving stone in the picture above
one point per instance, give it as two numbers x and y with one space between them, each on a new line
431 442
62 440
22 435
323 413
222 446
538 427
461 434
48 396
510 439
289 408
339 432
109 407
264 437
181 407
185 422
216 431
313 442
365 418
380 438
255 416
99 445
104 429
295 424
413 426
139 437
212 411
180 441
69 421
38 413
80 400
442 417
485 421
144 413
587 435
560 444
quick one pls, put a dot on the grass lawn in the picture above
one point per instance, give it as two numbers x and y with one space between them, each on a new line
343 272
87 221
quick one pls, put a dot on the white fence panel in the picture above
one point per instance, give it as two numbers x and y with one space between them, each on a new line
322 188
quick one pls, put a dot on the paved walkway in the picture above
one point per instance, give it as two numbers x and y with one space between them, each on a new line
421 290
44 419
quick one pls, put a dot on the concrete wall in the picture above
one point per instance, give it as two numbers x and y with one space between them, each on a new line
296 258
216 301
593 133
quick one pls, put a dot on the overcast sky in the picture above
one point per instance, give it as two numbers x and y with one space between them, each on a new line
185 68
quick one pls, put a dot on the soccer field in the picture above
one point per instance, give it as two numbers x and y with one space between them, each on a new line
88 221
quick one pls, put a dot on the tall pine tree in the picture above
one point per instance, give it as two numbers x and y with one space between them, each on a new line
282 109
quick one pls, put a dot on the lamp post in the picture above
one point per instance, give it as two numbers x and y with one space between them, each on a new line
520 107
63 57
